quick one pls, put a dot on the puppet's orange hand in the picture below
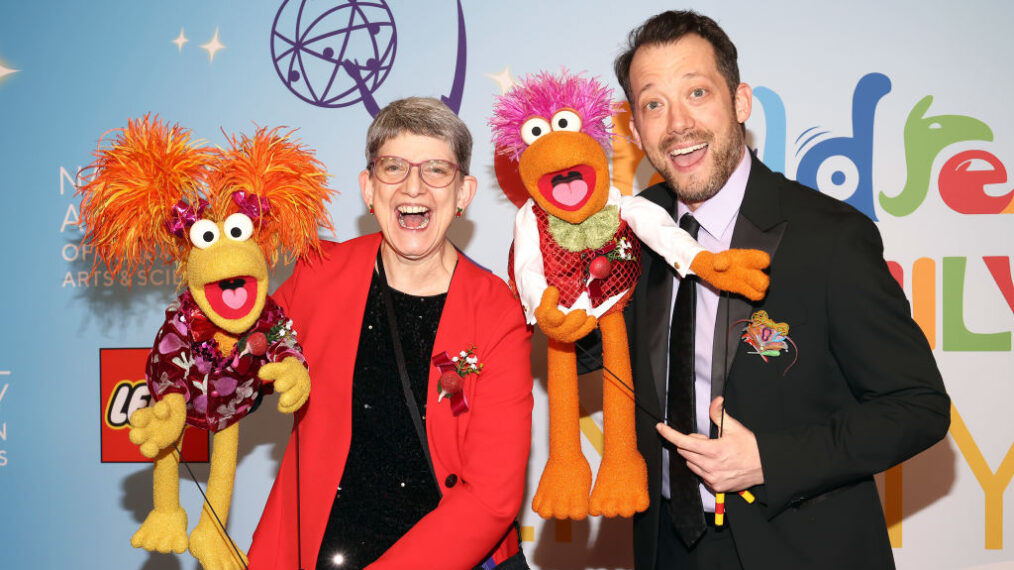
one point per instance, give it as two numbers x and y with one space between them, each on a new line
736 270
292 382
560 326
158 427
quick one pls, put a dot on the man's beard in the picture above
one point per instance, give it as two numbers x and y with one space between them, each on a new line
725 159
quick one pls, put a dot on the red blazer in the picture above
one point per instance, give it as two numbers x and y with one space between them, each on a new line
486 448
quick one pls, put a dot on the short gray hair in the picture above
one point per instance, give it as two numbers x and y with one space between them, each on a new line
423 116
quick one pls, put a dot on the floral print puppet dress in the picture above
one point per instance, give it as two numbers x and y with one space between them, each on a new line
219 389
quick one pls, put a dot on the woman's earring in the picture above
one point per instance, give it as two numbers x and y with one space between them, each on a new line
371 208
460 211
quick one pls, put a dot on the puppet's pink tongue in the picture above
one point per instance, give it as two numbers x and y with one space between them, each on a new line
232 298
570 193
235 298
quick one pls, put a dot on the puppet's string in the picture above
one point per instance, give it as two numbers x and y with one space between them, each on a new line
207 502
633 394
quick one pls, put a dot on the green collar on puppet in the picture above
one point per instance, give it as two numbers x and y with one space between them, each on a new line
593 233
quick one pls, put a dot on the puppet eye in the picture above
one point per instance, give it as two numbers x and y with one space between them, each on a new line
566 120
238 227
203 233
533 129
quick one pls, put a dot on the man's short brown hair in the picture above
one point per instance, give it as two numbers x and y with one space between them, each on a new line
668 28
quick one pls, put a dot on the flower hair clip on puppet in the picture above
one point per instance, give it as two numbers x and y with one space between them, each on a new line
222 215
575 261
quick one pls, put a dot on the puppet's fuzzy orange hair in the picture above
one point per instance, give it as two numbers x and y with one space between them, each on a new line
149 168
277 168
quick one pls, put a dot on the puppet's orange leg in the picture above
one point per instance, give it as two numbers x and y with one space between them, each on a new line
621 488
209 542
566 480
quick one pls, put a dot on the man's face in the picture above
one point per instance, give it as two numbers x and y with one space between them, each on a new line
684 117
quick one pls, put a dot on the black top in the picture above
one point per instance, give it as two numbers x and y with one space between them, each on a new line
387 485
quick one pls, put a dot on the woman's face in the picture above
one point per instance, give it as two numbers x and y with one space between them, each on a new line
414 216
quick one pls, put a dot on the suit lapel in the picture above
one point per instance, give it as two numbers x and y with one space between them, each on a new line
653 311
656 315
760 225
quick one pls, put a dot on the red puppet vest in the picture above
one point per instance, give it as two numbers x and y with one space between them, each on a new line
570 271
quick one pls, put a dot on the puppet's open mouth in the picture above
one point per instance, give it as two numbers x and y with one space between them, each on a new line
232 298
570 188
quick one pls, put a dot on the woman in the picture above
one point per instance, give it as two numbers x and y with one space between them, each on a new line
367 495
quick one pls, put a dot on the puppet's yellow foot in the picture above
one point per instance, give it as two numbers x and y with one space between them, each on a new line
563 488
210 545
622 486
163 530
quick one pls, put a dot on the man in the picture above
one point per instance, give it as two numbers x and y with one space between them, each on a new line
853 389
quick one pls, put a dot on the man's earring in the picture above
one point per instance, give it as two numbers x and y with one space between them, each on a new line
460 211
371 208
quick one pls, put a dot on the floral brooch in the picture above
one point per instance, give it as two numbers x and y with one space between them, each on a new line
453 372
768 338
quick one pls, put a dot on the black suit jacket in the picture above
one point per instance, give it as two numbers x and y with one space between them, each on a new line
863 395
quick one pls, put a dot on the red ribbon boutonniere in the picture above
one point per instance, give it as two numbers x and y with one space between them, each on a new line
768 338
454 370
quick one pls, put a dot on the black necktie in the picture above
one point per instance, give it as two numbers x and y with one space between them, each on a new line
684 496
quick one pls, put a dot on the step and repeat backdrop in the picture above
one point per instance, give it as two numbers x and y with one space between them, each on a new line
902 109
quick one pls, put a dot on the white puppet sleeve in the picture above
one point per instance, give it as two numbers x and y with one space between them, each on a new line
529 271
656 228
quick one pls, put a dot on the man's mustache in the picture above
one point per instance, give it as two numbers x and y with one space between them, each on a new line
696 137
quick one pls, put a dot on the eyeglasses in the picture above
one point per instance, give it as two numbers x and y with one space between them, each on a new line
435 173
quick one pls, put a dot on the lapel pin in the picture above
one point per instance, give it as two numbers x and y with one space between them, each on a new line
768 338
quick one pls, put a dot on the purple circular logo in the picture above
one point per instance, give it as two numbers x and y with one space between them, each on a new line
333 54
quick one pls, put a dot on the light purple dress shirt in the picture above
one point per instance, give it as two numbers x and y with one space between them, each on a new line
717 217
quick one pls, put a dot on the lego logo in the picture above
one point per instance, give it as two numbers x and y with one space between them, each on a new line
127 397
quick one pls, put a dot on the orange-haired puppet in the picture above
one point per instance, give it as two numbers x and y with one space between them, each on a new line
575 262
221 215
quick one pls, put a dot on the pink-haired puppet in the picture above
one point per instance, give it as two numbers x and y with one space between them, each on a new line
575 262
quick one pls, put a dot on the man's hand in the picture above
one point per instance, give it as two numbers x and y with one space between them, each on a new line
730 463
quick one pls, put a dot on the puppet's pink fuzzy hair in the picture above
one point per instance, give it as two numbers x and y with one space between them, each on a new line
544 94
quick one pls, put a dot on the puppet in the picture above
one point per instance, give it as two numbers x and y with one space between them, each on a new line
221 215
574 263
